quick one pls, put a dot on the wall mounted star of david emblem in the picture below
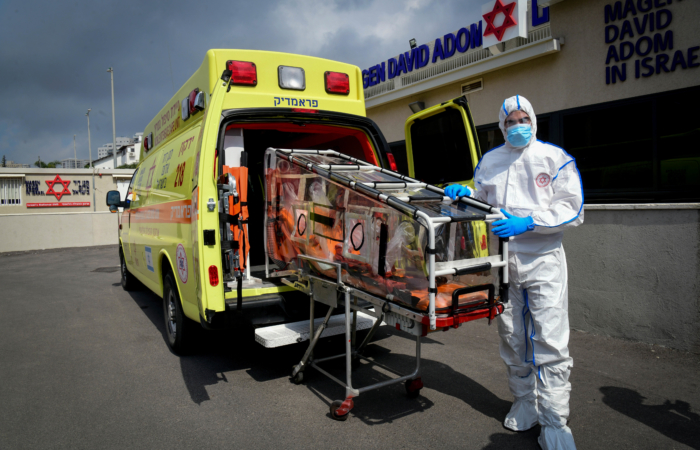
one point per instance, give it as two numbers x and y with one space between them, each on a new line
508 22
64 184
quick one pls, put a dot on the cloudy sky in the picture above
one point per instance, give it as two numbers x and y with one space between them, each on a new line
54 55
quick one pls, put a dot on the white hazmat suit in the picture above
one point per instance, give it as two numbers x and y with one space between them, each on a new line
542 181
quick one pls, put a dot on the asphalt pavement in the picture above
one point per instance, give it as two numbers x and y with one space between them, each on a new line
84 365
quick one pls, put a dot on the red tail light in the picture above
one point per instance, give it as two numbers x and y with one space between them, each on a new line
213 275
337 83
191 98
302 110
243 73
392 162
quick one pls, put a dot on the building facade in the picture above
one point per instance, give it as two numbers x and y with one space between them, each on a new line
75 164
107 148
610 82
614 84
14 165
126 155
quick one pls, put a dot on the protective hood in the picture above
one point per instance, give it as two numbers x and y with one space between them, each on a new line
514 104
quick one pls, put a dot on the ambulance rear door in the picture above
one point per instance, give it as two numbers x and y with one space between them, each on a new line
442 148
441 144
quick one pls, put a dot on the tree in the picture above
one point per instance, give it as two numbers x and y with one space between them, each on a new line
128 166
54 164
87 166
4 161
40 164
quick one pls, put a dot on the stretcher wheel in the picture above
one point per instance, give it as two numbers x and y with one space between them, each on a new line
334 406
298 378
413 387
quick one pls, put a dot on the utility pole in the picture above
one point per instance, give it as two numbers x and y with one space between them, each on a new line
75 154
114 127
91 166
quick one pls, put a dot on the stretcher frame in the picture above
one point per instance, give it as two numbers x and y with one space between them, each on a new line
335 293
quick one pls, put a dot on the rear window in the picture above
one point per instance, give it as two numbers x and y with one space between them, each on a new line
441 149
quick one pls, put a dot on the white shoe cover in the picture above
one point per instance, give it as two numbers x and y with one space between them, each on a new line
555 438
522 415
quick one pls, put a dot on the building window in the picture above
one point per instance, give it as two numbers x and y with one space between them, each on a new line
678 150
10 191
637 150
613 147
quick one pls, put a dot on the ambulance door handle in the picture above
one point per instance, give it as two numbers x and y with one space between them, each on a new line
211 204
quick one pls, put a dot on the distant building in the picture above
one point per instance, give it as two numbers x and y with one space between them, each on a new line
126 154
14 165
75 164
107 148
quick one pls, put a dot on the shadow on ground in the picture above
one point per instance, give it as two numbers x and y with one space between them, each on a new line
673 420
217 353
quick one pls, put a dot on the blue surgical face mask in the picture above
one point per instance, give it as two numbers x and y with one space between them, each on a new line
519 135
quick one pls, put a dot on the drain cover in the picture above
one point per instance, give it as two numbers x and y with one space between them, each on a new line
107 269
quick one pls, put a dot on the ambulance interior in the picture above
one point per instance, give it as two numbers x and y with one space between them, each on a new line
403 277
251 140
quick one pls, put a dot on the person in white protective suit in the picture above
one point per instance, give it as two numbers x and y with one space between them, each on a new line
538 187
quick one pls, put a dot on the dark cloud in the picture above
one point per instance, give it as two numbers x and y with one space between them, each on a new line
55 55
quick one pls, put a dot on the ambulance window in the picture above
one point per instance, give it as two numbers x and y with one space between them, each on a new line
130 197
441 149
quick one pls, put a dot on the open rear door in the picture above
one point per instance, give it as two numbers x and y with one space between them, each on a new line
442 148
441 144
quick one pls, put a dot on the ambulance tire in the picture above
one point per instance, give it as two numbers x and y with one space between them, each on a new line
129 282
178 328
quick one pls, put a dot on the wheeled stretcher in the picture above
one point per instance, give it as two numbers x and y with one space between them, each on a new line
353 235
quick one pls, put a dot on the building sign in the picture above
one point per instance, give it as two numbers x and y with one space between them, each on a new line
59 191
55 191
639 33
57 204
504 19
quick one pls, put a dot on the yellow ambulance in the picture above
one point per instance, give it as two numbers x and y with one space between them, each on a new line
192 228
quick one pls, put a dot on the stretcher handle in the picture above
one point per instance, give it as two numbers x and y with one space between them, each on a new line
470 290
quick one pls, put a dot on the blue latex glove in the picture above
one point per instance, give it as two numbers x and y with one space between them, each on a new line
512 226
457 190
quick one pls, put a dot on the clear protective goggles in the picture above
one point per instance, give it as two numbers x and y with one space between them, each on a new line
512 122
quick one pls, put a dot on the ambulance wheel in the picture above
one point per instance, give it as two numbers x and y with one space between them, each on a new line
298 378
177 326
334 406
129 282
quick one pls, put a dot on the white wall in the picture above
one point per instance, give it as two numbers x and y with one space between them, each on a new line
22 232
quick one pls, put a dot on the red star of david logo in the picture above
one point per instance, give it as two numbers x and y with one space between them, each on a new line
508 22
58 180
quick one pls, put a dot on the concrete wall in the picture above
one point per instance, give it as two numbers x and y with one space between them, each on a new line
21 232
635 273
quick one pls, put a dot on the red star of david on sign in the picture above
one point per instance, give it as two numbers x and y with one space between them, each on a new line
55 181
508 22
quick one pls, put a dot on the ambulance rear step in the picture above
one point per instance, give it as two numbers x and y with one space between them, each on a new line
293 333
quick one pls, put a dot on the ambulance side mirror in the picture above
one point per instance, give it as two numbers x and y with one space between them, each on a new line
114 200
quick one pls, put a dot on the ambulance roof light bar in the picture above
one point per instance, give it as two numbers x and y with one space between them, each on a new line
243 73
